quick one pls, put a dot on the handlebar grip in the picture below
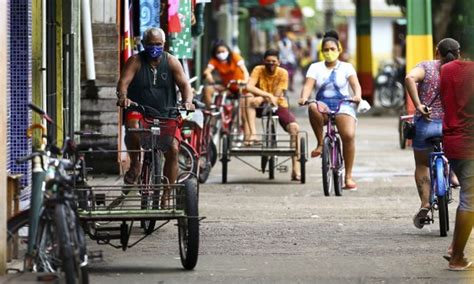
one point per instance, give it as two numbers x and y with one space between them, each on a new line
36 109
199 104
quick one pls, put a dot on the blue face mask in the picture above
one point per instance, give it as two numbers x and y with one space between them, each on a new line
154 51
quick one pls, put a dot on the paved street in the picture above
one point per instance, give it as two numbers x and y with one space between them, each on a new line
263 231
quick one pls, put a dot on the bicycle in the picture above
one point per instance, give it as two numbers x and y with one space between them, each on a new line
56 242
332 160
199 135
440 186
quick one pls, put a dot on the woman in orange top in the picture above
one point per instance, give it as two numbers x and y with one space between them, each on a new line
229 65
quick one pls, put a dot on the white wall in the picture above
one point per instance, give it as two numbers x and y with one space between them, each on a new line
104 11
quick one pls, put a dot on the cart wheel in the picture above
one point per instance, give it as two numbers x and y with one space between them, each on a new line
188 227
303 159
225 157
271 167
213 150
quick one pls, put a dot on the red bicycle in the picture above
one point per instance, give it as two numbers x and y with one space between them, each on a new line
197 131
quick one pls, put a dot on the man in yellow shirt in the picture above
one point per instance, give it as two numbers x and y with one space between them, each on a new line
267 84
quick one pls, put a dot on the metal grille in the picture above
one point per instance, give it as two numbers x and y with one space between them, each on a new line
20 72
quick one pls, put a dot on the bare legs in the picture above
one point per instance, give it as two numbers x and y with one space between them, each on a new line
293 129
422 177
346 126
317 120
132 141
170 171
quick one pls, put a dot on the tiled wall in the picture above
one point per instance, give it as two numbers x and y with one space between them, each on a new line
20 65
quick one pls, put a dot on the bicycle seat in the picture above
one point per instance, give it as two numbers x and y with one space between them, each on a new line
266 110
435 140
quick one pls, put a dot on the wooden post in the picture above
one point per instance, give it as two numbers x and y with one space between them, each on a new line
3 129
13 207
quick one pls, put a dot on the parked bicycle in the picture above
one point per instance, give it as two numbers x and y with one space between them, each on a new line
332 160
56 242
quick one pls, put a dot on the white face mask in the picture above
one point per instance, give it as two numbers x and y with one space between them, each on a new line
222 55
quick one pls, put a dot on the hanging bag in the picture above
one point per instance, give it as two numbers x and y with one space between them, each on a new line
409 127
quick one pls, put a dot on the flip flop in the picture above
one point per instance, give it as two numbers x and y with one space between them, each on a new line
316 152
350 187
460 268
296 178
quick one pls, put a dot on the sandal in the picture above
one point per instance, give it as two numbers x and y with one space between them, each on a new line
295 178
132 175
420 216
467 266
316 152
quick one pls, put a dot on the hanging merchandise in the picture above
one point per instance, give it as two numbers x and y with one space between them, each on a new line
180 43
198 28
127 31
174 24
149 14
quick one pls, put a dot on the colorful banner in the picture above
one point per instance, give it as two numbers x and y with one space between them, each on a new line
149 15
181 42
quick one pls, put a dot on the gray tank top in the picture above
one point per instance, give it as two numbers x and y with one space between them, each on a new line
154 87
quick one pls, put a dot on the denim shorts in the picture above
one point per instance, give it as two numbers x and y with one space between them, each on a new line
464 170
426 129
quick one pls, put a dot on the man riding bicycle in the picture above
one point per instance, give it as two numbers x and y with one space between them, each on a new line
268 83
150 79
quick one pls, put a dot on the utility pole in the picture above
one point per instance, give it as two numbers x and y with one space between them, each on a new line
419 37
329 15
364 49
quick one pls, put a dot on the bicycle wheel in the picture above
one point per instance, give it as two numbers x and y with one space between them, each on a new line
338 170
188 227
213 149
188 162
303 159
271 142
149 198
205 163
440 190
15 223
401 136
68 244
328 176
225 157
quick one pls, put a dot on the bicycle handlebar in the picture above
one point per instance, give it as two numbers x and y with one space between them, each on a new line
338 105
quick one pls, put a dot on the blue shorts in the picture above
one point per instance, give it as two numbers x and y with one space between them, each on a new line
426 129
464 170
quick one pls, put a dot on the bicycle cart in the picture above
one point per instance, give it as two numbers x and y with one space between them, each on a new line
273 147
122 215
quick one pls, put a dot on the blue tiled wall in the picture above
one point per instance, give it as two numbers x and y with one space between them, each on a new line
20 86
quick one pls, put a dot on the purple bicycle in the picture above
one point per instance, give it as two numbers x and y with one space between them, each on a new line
332 161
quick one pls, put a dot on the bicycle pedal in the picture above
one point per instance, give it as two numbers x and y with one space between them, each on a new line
100 199
427 221
95 255
282 169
